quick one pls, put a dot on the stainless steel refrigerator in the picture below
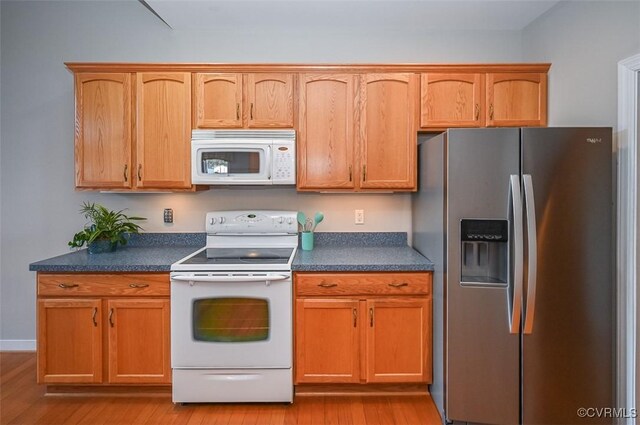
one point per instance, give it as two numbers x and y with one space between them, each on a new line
520 225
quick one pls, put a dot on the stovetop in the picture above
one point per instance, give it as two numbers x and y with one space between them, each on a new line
237 258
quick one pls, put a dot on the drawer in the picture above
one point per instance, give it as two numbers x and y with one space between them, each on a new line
322 284
103 284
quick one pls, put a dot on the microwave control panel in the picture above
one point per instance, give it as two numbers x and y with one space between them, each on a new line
283 164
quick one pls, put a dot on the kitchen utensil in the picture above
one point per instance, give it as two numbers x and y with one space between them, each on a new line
317 220
308 225
301 219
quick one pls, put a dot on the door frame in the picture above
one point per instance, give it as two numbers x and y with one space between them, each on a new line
626 147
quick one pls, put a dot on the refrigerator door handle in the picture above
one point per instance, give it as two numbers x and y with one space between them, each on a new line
518 261
532 282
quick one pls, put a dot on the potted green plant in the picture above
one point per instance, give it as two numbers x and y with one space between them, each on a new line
105 229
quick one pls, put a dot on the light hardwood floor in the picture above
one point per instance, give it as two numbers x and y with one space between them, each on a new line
24 402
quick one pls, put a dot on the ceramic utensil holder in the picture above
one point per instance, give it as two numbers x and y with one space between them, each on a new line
307 241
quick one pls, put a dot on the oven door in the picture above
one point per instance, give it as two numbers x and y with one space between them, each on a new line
230 163
231 320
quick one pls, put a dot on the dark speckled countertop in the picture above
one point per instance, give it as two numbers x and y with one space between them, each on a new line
335 252
155 252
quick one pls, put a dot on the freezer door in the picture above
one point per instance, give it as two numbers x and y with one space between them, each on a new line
482 355
568 356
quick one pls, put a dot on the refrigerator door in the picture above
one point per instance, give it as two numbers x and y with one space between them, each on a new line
482 355
568 356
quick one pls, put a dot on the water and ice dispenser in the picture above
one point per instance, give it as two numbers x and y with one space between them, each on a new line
484 252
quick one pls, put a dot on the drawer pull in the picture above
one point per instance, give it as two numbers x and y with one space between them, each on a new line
327 285
68 285
95 312
371 317
138 285
111 317
398 285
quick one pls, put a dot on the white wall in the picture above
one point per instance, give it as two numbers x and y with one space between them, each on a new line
584 41
39 205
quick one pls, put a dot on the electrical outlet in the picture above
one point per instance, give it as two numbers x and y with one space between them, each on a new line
168 215
359 216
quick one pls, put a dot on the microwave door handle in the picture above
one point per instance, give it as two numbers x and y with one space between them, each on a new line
187 278
268 162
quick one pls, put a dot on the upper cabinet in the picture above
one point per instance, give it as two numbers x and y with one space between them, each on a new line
357 132
112 108
228 100
326 132
516 99
103 130
500 99
451 100
388 131
163 142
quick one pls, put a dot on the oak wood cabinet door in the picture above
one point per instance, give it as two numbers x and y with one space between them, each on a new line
163 144
326 131
451 100
69 341
388 131
398 340
270 99
139 342
327 341
218 100
516 99
103 130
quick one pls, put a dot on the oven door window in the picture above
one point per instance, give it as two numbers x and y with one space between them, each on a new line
230 319
236 162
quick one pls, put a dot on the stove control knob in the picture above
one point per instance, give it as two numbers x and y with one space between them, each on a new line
280 220
212 221
222 220
290 220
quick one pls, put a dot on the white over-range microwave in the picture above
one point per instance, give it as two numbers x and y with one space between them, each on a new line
243 157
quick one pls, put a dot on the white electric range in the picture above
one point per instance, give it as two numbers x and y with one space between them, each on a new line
231 311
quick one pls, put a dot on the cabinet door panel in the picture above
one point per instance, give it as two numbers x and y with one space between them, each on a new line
139 347
218 100
327 341
164 130
103 130
398 340
516 99
388 131
69 341
326 132
270 98
451 100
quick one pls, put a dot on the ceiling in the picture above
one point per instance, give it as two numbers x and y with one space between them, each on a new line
353 15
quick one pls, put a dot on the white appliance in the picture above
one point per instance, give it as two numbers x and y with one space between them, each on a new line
231 311
243 157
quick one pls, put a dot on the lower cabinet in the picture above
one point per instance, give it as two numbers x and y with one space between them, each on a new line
363 328
104 329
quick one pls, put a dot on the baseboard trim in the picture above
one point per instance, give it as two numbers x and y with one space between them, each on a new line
17 345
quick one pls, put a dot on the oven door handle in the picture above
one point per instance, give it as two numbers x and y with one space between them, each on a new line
270 278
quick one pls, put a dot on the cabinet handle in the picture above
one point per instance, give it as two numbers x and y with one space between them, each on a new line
371 317
126 178
364 173
140 172
95 313
327 285
138 285
477 111
251 111
237 111
68 285
398 285
111 317
350 173
355 317
491 111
